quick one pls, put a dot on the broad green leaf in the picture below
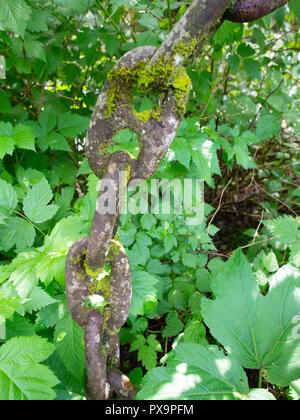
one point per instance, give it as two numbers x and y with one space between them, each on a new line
22 377
195 372
252 68
19 326
258 331
14 15
182 151
36 202
259 395
294 391
23 137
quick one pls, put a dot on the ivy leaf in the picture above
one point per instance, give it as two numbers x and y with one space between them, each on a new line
258 331
71 125
195 372
16 232
35 204
14 15
22 377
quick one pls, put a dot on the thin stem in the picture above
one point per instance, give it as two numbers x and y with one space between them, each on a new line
111 20
170 14
260 380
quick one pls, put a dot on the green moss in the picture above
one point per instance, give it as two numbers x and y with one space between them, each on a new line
185 48
155 78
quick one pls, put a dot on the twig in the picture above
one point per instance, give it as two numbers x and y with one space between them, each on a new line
219 206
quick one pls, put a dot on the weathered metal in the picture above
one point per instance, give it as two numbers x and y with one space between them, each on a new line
98 264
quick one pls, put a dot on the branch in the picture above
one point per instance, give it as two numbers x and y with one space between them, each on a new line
249 10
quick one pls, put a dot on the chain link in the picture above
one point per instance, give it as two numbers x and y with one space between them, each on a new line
89 260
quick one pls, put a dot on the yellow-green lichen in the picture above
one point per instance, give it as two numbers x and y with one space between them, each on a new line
182 85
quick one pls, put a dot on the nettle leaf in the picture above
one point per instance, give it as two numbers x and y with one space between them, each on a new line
14 15
148 356
22 376
16 232
143 290
35 204
174 325
69 341
71 125
51 314
268 126
195 372
258 331
19 326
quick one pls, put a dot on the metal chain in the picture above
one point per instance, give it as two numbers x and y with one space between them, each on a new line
160 71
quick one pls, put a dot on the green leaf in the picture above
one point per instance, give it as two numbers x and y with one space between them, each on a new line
14 15
22 377
34 48
268 126
69 340
7 146
35 204
174 325
258 331
295 254
148 221
270 262
8 198
294 6
189 260
19 326
23 137
294 391
38 299
252 68
143 290
260 395
71 125
5 104
147 355
16 232
51 314
285 228
195 372
182 151
8 304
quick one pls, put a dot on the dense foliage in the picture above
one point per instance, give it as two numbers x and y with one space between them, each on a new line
208 320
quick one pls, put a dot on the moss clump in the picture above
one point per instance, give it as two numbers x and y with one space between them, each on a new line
185 48
155 77
182 85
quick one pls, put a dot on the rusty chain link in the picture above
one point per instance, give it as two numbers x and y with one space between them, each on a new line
160 71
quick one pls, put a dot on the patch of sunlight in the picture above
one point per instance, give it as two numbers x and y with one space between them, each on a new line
177 386
223 366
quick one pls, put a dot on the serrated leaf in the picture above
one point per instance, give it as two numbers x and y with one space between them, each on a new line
8 198
148 221
189 260
258 331
252 68
143 290
285 228
147 355
22 377
182 151
36 202
195 372
14 15
50 315
16 232
268 126
174 325
19 326
69 340
71 125
38 299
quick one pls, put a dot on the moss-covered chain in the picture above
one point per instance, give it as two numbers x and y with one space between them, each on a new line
98 264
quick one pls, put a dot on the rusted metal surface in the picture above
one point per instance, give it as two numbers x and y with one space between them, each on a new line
249 10
98 264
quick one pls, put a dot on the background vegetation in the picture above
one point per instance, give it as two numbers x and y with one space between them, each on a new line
239 135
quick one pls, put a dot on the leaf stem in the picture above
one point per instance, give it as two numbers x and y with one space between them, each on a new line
260 380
